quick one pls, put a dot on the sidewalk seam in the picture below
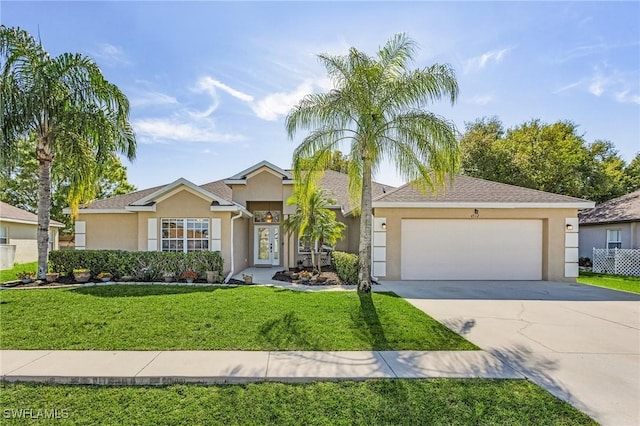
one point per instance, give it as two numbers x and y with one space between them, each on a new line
386 362
147 364
266 370
31 362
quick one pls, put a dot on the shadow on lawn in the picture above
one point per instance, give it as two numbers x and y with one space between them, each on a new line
368 322
143 290
288 332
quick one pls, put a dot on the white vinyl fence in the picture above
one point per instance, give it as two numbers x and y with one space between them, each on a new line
617 261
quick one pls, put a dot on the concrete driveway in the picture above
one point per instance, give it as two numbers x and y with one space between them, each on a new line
582 343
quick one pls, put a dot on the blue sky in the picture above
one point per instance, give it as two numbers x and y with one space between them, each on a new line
211 82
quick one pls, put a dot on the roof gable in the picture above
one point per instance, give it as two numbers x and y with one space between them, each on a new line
621 209
256 168
168 190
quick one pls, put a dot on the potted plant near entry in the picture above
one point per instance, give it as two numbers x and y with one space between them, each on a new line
104 277
26 277
212 276
51 276
168 277
305 276
189 275
81 275
248 278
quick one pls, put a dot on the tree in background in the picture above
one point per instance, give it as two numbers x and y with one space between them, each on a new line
546 157
632 175
19 184
314 222
337 162
78 118
376 107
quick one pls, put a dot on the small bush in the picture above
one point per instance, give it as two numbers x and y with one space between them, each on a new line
142 265
346 265
585 262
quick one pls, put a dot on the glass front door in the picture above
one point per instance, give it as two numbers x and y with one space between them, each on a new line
266 245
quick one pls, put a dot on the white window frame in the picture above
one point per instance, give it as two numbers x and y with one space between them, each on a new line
4 235
617 241
185 239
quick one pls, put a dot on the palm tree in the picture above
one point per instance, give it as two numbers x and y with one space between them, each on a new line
377 107
75 114
313 221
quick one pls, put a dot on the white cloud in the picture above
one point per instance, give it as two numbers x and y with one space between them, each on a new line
625 97
274 105
604 80
480 99
110 54
151 130
270 107
479 62
146 99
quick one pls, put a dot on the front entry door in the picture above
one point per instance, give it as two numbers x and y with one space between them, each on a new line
266 247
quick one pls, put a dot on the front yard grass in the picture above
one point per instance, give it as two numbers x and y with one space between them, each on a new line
615 282
392 402
158 317
7 275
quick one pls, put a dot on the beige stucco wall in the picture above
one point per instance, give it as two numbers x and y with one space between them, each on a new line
553 239
263 186
110 231
241 255
24 237
129 231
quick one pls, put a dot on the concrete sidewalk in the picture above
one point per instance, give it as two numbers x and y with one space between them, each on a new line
211 367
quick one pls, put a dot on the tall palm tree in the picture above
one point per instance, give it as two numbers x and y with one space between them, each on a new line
313 221
377 107
75 114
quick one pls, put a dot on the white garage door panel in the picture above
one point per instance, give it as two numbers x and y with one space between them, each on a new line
471 249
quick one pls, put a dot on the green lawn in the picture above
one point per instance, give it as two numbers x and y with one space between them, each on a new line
7 275
615 282
392 402
157 317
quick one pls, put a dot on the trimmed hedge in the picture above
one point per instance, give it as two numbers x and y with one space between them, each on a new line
141 265
346 265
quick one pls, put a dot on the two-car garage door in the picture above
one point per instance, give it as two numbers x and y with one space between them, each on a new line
479 249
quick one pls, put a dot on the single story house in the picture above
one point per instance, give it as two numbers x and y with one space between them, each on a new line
18 236
474 230
612 224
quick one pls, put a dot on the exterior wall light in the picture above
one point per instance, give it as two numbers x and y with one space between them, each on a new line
269 217
384 225
569 227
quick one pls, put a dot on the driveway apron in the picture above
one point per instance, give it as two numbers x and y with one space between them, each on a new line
582 343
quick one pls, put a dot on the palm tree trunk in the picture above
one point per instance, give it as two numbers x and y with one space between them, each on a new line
364 263
44 210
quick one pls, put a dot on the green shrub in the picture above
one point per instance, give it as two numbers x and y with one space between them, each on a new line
141 265
346 265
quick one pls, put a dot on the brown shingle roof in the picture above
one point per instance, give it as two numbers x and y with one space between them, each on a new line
621 209
11 213
218 188
337 185
121 201
470 189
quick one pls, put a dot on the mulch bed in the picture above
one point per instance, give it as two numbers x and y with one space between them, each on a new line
328 276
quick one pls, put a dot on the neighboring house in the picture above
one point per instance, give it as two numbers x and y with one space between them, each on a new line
475 230
18 236
612 224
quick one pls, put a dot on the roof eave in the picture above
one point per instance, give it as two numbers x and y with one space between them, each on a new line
483 204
